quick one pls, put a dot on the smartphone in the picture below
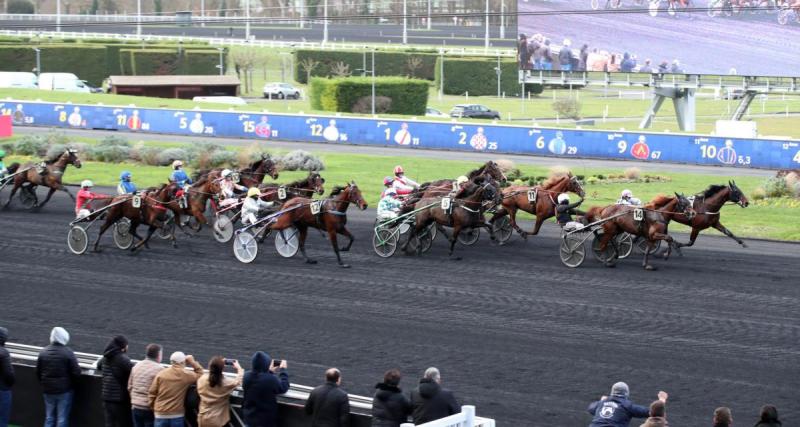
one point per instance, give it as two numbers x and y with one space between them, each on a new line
230 362
276 362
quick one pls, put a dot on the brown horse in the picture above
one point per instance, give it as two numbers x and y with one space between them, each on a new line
443 187
653 226
332 218
464 213
251 176
155 202
306 187
196 199
51 177
707 205
516 198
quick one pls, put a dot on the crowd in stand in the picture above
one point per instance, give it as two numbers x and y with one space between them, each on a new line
540 53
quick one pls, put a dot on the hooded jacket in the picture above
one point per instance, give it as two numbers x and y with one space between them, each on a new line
615 411
7 378
390 407
116 369
261 389
431 402
57 367
770 419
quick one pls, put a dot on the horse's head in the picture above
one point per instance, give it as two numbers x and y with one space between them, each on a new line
493 169
490 193
316 182
72 157
736 195
684 206
269 166
574 185
354 195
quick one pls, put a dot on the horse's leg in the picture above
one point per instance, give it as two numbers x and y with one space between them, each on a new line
66 190
11 196
538 225
345 232
728 233
109 221
608 236
303 230
333 237
150 231
46 199
453 239
512 215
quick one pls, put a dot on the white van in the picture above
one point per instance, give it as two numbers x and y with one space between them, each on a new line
18 80
62 81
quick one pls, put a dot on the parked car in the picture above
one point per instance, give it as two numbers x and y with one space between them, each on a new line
474 111
232 100
432 112
18 80
281 91
63 81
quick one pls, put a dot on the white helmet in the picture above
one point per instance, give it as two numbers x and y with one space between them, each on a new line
461 180
563 197
226 173
626 194
86 184
177 163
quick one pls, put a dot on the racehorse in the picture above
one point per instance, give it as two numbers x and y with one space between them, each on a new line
516 197
53 173
305 187
707 206
153 211
653 226
464 213
332 217
251 176
443 187
196 198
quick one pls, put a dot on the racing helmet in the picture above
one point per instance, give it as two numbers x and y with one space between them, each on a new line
563 197
398 170
626 194
86 184
125 176
253 191
2 154
226 173
176 164
462 180
387 181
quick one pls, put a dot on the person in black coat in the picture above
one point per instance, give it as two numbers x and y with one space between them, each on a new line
7 379
262 385
328 404
58 371
430 401
115 365
390 407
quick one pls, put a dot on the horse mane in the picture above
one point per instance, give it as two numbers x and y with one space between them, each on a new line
659 201
478 171
201 182
300 183
553 180
712 190
336 190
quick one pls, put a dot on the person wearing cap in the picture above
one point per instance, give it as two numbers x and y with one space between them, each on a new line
83 200
115 366
401 183
7 379
142 376
168 391
262 385
565 210
387 184
126 186
253 205
228 188
179 175
626 198
58 371
617 410
460 185
389 206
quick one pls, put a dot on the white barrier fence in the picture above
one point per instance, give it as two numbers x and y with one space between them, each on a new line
466 418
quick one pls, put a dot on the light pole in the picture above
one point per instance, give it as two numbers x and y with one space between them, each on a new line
486 36
58 15
429 15
138 18
302 9
499 71
247 20
441 74
221 65
502 19
405 23
325 22
38 61
373 81
202 13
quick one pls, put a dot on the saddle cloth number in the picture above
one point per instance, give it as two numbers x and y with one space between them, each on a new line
281 193
532 196
638 214
182 202
137 202
315 207
446 204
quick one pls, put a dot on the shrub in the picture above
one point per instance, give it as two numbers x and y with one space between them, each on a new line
478 77
198 149
20 6
31 145
633 173
568 108
776 187
110 153
758 194
145 155
383 105
55 150
301 160
165 157
223 158
408 96
592 180
113 141
8 147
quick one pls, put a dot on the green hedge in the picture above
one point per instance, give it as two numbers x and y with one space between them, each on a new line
478 77
17 58
408 96
87 62
386 63
203 62
149 62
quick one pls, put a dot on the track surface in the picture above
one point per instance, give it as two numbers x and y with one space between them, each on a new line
527 340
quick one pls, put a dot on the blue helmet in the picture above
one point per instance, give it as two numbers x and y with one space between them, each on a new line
125 176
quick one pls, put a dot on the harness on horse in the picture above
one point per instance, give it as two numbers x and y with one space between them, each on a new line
532 194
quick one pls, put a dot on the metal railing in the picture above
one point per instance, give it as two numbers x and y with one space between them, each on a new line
466 418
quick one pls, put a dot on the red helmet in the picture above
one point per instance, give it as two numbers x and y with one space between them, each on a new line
387 181
398 170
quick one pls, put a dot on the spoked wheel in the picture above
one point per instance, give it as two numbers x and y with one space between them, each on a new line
384 242
624 245
424 239
286 242
123 237
606 255
469 236
245 247
77 240
223 229
502 229
652 9
167 230
641 245
571 251
27 196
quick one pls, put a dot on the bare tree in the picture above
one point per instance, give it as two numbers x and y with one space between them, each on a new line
413 63
308 65
244 61
340 69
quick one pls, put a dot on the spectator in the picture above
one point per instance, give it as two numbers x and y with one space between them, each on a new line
676 67
583 58
141 378
769 417
546 58
663 67
430 401
57 370
115 366
565 55
613 65
262 385
6 379
523 54
168 391
628 63
536 49
390 407
658 415
646 68
722 417
617 410
215 391
328 404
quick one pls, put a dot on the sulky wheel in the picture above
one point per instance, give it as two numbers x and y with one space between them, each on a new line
572 252
469 236
223 229
245 247
502 229
640 243
27 196
624 245
123 237
165 231
286 242
384 242
77 240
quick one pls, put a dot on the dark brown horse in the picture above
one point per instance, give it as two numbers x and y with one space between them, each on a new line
306 187
251 176
653 225
51 177
516 198
464 213
196 199
707 205
332 218
443 187
155 203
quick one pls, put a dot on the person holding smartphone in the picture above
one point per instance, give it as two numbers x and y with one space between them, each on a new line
266 380
215 391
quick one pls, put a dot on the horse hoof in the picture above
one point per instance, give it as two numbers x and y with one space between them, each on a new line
744 245
649 267
344 250
344 265
311 261
610 265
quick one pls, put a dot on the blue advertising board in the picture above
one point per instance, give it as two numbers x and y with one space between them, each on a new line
540 141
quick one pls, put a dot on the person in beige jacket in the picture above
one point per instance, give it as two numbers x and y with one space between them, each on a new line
215 391
168 391
142 376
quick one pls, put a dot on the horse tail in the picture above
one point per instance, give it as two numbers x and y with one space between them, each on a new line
12 168
594 213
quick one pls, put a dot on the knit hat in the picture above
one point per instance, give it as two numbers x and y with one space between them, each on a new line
59 335
620 389
177 357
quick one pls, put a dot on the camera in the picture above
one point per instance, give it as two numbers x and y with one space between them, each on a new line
276 362
230 362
